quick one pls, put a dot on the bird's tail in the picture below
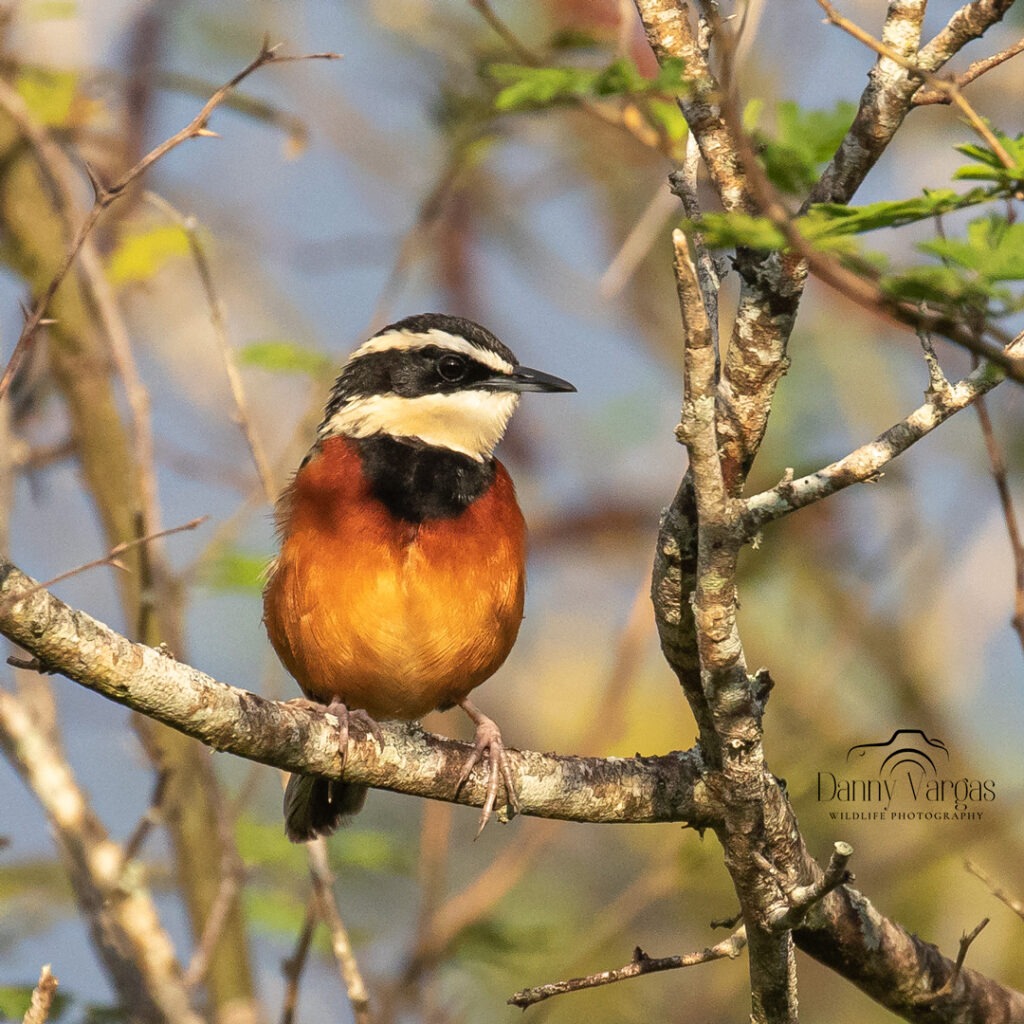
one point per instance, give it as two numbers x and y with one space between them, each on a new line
314 806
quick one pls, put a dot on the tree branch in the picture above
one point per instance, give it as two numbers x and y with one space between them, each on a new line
107 194
642 789
923 97
866 462
639 965
130 940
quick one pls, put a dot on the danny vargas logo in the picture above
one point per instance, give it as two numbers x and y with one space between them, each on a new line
905 778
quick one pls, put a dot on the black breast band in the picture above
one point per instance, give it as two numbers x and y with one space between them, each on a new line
416 481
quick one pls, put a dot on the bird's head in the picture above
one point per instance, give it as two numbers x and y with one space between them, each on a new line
441 380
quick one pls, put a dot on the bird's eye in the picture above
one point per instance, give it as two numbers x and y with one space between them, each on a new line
451 368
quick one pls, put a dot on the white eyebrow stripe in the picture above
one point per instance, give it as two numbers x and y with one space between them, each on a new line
398 341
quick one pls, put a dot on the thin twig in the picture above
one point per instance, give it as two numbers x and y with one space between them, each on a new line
105 195
293 967
112 557
217 321
924 97
446 921
217 916
652 886
936 82
508 37
999 475
866 462
59 175
640 964
38 1011
131 942
863 292
341 945
149 821
627 116
661 210
947 987
1016 905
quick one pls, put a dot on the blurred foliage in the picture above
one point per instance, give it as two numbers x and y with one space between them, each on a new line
140 256
802 143
230 568
49 94
278 355
525 87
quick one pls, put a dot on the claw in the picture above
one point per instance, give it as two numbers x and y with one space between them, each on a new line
345 717
370 726
488 741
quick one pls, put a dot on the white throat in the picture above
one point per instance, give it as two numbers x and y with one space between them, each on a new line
470 422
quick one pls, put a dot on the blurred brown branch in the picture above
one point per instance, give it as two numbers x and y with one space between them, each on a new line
1015 904
134 949
105 195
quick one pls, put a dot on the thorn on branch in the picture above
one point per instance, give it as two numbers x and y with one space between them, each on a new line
32 665
727 922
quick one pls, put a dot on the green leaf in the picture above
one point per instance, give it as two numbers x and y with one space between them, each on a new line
666 115
51 10
231 569
278 355
802 142
973 267
833 219
993 249
989 166
49 94
729 230
140 256
526 87
942 286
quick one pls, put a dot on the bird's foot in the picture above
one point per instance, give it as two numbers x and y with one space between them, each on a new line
488 743
345 717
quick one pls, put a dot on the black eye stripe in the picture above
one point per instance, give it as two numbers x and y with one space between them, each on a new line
408 373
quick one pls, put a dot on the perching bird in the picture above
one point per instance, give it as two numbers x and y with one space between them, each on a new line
399 584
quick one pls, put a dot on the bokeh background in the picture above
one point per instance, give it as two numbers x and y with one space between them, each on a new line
383 184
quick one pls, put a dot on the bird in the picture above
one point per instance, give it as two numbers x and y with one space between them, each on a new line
399 583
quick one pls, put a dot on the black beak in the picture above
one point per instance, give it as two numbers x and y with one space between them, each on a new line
523 378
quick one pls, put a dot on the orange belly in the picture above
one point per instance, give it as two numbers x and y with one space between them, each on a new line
393 617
